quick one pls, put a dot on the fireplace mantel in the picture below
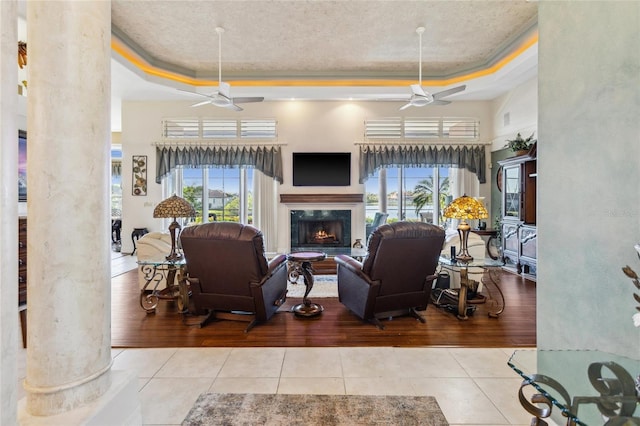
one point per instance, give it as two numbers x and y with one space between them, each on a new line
321 198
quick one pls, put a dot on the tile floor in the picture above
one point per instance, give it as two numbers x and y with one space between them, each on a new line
472 386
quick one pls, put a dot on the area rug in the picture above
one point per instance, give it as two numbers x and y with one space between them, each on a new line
281 409
323 286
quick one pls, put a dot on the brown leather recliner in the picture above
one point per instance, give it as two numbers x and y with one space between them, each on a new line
229 275
396 276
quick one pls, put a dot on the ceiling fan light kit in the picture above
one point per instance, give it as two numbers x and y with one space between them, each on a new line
419 97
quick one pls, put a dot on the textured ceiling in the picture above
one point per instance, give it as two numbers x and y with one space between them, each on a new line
324 39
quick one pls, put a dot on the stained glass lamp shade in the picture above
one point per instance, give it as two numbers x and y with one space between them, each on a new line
465 208
174 207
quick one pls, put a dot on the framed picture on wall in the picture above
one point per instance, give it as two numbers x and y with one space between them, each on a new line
139 169
22 166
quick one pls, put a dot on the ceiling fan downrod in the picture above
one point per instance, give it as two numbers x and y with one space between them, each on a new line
420 31
219 30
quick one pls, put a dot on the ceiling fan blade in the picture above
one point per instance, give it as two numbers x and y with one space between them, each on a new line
224 89
416 89
233 107
449 92
196 93
201 103
440 102
405 106
248 99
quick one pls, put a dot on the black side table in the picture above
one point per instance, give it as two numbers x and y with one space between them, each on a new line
135 235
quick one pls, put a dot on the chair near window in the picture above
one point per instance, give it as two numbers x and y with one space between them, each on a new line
379 219
397 275
426 217
229 275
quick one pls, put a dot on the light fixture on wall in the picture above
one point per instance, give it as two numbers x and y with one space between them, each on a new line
464 208
174 207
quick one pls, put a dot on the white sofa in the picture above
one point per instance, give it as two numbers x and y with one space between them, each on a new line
477 249
154 245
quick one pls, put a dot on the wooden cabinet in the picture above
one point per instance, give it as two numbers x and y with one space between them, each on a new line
22 276
519 189
510 245
528 239
519 233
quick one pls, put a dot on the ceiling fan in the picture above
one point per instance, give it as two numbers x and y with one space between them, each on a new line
421 98
222 98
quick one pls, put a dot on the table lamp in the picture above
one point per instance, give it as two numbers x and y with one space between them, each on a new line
174 207
465 208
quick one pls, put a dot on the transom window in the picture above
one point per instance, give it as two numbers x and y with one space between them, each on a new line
430 128
219 128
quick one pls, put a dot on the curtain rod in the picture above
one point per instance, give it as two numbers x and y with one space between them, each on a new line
201 142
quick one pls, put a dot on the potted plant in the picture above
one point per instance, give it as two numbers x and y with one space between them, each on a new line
519 145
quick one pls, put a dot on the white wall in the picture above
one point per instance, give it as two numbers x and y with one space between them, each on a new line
521 106
302 126
588 175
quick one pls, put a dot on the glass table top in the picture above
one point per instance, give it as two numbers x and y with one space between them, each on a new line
160 260
334 251
484 262
587 386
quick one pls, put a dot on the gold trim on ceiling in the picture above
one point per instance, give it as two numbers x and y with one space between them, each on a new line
134 59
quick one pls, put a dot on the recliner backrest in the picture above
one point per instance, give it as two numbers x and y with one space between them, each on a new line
224 256
402 254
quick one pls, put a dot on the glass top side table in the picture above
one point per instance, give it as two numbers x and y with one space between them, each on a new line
587 387
154 270
488 266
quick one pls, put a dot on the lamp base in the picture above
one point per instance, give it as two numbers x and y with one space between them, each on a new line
173 256
464 259
174 231
463 233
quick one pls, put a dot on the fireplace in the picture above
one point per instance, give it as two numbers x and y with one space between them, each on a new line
320 229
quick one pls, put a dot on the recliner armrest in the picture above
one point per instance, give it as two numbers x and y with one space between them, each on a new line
348 262
275 263
353 266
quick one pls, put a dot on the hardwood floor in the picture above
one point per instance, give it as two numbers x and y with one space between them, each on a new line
337 326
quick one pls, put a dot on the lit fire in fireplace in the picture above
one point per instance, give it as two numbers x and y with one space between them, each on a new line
322 237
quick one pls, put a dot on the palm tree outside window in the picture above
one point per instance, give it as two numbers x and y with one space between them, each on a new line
408 193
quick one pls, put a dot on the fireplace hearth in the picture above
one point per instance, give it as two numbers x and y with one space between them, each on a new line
320 229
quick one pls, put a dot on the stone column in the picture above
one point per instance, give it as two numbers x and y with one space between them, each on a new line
8 210
69 297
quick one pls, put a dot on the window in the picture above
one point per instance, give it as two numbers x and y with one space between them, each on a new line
116 182
217 193
423 128
226 192
214 128
408 193
383 128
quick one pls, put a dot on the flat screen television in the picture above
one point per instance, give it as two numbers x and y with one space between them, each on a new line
321 168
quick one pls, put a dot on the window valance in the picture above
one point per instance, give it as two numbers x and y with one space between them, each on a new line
374 157
267 159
